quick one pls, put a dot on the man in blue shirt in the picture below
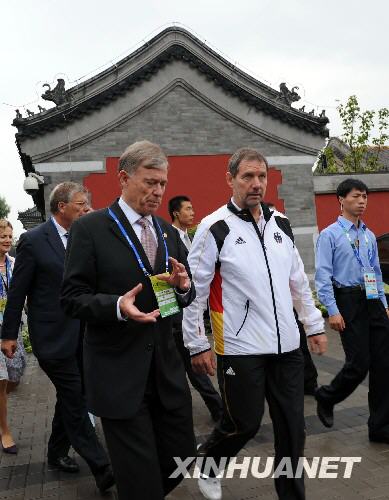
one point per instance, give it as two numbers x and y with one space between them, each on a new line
349 284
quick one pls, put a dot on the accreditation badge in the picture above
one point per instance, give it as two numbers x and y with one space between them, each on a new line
370 280
3 302
166 298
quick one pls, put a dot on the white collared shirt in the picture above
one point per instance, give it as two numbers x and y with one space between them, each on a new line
61 231
184 237
133 218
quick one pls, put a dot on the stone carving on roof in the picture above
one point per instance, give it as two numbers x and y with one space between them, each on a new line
288 96
58 95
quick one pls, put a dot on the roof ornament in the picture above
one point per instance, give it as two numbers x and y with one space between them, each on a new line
302 109
323 114
288 96
30 113
41 109
19 115
312 112
58 94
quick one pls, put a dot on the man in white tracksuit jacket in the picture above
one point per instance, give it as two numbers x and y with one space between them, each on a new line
244 261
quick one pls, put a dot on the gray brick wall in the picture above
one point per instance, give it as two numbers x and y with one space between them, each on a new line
297 192
182 125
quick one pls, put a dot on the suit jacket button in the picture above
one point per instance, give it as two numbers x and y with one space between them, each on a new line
149 347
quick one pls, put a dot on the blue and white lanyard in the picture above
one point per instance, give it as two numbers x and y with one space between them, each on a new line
5 284
136 253
356 251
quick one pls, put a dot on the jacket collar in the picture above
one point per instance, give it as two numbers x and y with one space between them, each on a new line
246 215
54 239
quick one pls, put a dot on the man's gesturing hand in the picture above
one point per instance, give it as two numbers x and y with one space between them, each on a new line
318 343
204 363
130 311
8 348
178 278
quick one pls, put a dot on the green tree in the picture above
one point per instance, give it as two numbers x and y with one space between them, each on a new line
363 149
4 208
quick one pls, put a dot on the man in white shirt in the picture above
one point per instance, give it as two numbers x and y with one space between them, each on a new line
182 215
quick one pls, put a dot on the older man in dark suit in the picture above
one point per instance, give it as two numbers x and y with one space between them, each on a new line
55 336
134 377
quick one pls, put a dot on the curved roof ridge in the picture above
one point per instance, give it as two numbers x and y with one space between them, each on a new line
172 43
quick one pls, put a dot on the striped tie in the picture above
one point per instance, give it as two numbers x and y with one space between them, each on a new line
148 241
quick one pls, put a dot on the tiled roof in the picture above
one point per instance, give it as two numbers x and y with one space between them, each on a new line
174 44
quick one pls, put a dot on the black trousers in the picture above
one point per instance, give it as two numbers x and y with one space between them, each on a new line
142 449
71 424
245 382
310 371
202 383
365 343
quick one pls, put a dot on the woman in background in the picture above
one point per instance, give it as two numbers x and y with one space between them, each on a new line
11 370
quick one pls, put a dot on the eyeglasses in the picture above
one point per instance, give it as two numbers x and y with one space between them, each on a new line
80 203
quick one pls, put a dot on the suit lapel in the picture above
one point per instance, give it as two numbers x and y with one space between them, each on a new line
160 261
54 240
131 234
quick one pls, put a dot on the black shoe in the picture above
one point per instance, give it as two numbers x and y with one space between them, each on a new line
66 464
104 479
325 412
373 438
11 450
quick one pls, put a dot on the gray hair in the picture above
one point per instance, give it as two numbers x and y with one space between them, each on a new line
64 193
142 152
244 154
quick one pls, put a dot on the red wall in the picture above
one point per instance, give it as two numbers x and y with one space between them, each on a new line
376 216
202 178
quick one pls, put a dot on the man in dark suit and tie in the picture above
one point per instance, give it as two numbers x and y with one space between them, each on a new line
182 215
134 377
54 335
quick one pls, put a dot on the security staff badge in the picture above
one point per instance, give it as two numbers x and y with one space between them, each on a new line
370 280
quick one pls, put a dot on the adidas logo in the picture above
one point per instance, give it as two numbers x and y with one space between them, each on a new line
230 371
239 241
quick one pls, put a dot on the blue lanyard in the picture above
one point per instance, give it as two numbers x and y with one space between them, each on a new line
355 250
129 241
5 284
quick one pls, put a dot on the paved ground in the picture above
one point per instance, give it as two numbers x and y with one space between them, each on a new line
26 476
